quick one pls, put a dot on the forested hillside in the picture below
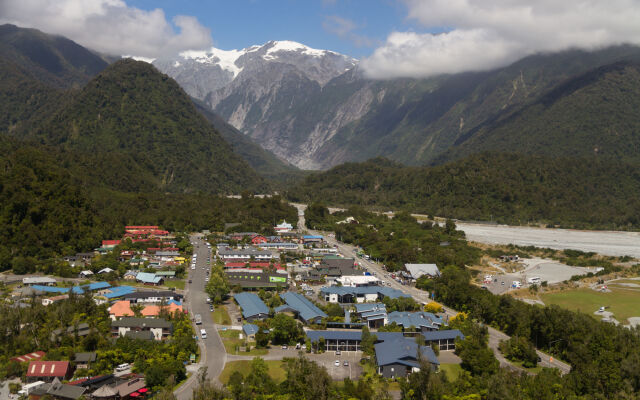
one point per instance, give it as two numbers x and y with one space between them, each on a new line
508 188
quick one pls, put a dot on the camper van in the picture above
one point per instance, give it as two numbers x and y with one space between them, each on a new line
535 280
516 284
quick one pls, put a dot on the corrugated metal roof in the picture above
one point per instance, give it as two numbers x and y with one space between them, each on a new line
417 270
148 277
415 319
441 335
251 304
250 329
381 291
314 336
403 351
306 309
368 307
118 291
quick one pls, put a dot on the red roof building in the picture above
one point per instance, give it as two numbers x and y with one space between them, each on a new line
36 355
258 239
106 243
48 370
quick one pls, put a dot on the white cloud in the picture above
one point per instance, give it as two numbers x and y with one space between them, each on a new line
109 26
485 34
344 28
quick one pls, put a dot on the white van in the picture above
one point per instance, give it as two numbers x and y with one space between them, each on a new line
122 367
533 280
203 333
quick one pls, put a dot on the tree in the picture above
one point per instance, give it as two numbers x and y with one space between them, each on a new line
367 341
218 286
262 338
285 329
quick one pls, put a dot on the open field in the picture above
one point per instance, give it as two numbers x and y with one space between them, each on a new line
231 339
623 303
602 242
220 315
175 283
276 372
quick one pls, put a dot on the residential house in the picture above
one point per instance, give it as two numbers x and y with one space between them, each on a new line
120 309
160 328
51 300
47 371
79 330
250 331
149 278
418 270
57 390
373 314
84 360
153 296
304 309
258 239
85 274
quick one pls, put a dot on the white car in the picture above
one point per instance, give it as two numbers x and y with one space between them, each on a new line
337 363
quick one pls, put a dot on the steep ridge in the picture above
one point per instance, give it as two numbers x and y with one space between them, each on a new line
53 60
132 118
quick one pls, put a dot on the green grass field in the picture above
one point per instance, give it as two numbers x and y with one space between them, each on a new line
230 339
452 370
176 283
623 303
276 372
221 316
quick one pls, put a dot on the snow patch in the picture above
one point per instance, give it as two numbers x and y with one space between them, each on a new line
288 45
226 59
176 64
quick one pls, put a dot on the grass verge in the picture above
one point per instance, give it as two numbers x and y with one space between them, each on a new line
276 371
220 315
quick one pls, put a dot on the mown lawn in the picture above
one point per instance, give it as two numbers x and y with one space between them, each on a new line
452 370
276 372
220 315
230 339
175 283
623 303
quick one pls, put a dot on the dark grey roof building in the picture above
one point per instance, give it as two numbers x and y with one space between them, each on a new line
402 356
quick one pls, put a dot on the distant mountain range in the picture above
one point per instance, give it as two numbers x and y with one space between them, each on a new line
315 108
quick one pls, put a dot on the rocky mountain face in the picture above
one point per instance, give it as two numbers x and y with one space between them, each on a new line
315 108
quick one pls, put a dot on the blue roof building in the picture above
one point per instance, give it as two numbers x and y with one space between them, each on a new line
306 310
252 306
401 356
148 278
423 321
76 289
119 291
250 329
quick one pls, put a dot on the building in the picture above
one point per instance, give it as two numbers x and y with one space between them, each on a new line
308 239
418 270
283 227
57 390
279 246
304 309
117 291
85 274
120 309
50 300
373 314
250 331
358 280
160 328
256 279
47 371
152 296
34 356
149 278
346 340
38 280
79 330
363 294
400 357
258 239
84 360
422 321
244 255
253 308
166 274
445 340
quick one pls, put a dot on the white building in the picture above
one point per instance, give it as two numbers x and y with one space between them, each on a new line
283 227
417 270
358 280
38 280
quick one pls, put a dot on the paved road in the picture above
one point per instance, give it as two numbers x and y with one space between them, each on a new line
211 348
495 336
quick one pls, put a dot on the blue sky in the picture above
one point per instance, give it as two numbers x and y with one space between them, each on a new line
353 27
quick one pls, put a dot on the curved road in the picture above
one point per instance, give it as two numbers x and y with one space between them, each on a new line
495 336
213 354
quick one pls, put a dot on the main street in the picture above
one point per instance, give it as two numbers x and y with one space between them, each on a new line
495 336
213 355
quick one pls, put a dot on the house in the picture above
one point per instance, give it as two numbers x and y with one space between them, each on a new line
57 390
120 309
110 244
117 291
149 278
153 296
38 280
130 275
166 274
255 279
155 310
79 330
105 271
47 371
258 239
51 300
418 270
84 360
252 306
244 255
250 331
160 328
402 356
422 321
36 355
304 309
126 389
362 294
85 274
283 227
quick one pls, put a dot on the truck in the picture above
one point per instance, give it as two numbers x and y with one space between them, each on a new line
198 319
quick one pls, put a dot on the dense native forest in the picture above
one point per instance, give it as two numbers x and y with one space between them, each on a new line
504 187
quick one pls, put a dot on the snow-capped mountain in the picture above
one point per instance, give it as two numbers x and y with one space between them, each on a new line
203 72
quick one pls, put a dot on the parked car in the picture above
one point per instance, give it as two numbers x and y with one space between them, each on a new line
346 363
284 347
337 363
122 367
338 352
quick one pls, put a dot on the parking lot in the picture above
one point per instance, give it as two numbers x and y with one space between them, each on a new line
338 373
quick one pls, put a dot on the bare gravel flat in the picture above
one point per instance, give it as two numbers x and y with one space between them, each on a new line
610 243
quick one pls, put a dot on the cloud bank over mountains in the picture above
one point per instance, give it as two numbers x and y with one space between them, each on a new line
484 34
109 26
